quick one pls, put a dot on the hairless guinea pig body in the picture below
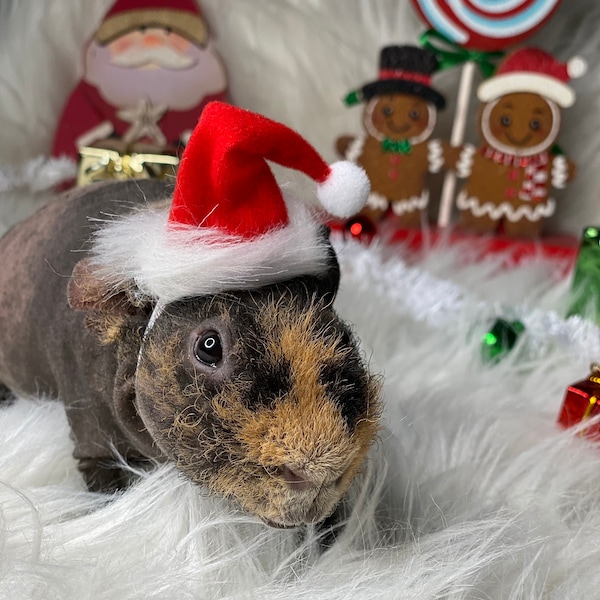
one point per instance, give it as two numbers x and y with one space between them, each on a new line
261 395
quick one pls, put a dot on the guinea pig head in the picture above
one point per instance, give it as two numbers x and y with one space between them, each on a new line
246 378
261 396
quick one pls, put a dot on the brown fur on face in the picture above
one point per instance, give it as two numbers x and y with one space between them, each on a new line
293 391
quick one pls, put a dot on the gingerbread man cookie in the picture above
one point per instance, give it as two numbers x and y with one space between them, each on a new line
510 175
399 117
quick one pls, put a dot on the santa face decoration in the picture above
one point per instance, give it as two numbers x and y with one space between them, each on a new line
157 64
509 177
149 70
399 117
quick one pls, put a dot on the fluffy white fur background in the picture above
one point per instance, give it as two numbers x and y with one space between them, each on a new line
471 491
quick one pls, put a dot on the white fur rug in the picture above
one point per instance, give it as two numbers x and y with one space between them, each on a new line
471 492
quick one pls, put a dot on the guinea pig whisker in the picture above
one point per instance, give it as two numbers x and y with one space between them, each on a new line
272 472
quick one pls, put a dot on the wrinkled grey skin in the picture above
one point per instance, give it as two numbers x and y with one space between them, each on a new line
89 359
45 347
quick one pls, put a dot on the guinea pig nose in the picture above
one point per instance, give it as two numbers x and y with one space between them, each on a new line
297 479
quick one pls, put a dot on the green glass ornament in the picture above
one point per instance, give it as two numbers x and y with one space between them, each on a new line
501 339
585 286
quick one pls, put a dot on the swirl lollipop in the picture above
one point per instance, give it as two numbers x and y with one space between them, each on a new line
483 25
486 24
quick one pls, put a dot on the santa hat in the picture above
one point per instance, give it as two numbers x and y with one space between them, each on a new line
533 70
181 16
230 225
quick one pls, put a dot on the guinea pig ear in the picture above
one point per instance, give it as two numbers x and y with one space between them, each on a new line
87 291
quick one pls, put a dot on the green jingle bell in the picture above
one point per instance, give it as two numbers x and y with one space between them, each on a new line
500 339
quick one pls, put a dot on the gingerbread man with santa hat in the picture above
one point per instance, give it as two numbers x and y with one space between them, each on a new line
149 70
508 178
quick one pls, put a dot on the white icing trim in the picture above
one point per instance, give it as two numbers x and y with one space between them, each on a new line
354 150
377 201
491 139
465 161
532 212
399 207
560 172
435 156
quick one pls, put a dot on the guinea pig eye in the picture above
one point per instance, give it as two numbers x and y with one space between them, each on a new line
388 111
208 348
534 124
414 114
505 120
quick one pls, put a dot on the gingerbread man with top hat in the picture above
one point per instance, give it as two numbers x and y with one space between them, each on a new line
509 176
399 117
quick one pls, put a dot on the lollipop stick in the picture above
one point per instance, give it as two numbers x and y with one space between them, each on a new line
456 139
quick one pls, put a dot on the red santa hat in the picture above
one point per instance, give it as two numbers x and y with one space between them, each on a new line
180 16
230 225
534 70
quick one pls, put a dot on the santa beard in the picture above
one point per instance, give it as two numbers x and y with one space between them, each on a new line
160 56
177 89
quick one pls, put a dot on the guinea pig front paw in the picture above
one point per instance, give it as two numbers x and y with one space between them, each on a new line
102 476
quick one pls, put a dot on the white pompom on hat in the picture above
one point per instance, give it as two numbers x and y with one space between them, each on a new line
230 225
534 70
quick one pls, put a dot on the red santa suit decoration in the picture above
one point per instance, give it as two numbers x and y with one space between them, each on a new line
509 176
148 73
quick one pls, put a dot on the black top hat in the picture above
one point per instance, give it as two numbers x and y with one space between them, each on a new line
402 69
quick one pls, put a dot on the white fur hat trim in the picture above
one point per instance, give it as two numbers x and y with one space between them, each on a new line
166 263
545 86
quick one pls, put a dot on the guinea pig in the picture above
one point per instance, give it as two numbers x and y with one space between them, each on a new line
259 395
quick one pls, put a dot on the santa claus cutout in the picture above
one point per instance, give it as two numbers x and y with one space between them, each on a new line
148 72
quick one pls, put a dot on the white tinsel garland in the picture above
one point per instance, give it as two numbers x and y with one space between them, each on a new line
38 174
439 303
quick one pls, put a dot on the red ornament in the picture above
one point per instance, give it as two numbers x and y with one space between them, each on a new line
581 403
360 228
486 25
